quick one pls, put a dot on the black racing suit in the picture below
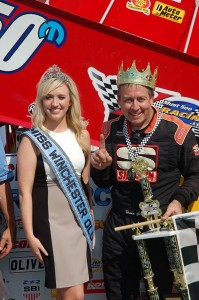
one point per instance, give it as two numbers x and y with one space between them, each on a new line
171 151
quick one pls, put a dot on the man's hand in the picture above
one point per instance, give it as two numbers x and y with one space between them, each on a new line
174 208
101 159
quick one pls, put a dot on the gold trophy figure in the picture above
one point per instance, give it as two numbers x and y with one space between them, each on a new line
149 208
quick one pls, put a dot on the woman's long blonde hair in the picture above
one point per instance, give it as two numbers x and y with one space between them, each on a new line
73 116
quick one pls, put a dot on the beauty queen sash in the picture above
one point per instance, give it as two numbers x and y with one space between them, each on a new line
67 178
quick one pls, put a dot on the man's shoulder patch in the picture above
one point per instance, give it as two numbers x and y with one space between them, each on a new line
106 127
182 128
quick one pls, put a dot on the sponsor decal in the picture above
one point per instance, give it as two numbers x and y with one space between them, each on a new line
185 109
139 5
196 150
96 264
15 196
100 196
122 176
53 293
12 164
24 264
181 134
21 244
29 28
31 289
31 109
150 154
168 12
99 224
19 224
94 287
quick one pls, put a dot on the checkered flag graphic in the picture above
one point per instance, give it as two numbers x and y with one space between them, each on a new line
158 104
187 228
196 131
107 90
195 128
196 111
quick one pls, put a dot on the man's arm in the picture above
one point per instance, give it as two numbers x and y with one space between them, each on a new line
6 204
188 191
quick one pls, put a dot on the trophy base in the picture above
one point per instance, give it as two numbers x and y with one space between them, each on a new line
172 297
153 234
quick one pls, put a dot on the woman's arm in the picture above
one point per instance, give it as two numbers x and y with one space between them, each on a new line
26 166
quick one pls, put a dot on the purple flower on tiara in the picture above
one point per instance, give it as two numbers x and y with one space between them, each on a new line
54 72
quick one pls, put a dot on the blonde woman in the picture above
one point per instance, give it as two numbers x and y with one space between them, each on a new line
53 174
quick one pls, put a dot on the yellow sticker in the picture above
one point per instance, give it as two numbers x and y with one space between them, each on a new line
168 12
53 293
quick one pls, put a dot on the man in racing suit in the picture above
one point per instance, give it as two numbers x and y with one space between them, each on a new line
170 148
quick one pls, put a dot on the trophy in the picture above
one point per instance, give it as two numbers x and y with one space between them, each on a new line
157 228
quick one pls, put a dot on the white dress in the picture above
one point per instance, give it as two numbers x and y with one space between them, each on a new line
54 223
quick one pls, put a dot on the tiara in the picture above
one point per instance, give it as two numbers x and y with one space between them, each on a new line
54 72
132 75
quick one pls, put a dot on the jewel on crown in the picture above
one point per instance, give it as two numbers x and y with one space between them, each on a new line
132 75
54 72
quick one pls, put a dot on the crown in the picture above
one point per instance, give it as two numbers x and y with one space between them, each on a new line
132 75
54 72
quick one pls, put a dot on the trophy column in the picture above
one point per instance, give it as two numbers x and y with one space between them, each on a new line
150 211
147 270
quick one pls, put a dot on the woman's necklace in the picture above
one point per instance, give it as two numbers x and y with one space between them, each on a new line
134 153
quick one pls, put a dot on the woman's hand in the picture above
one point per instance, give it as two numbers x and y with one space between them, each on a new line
37 248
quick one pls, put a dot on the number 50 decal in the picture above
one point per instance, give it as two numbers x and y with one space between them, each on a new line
24 36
